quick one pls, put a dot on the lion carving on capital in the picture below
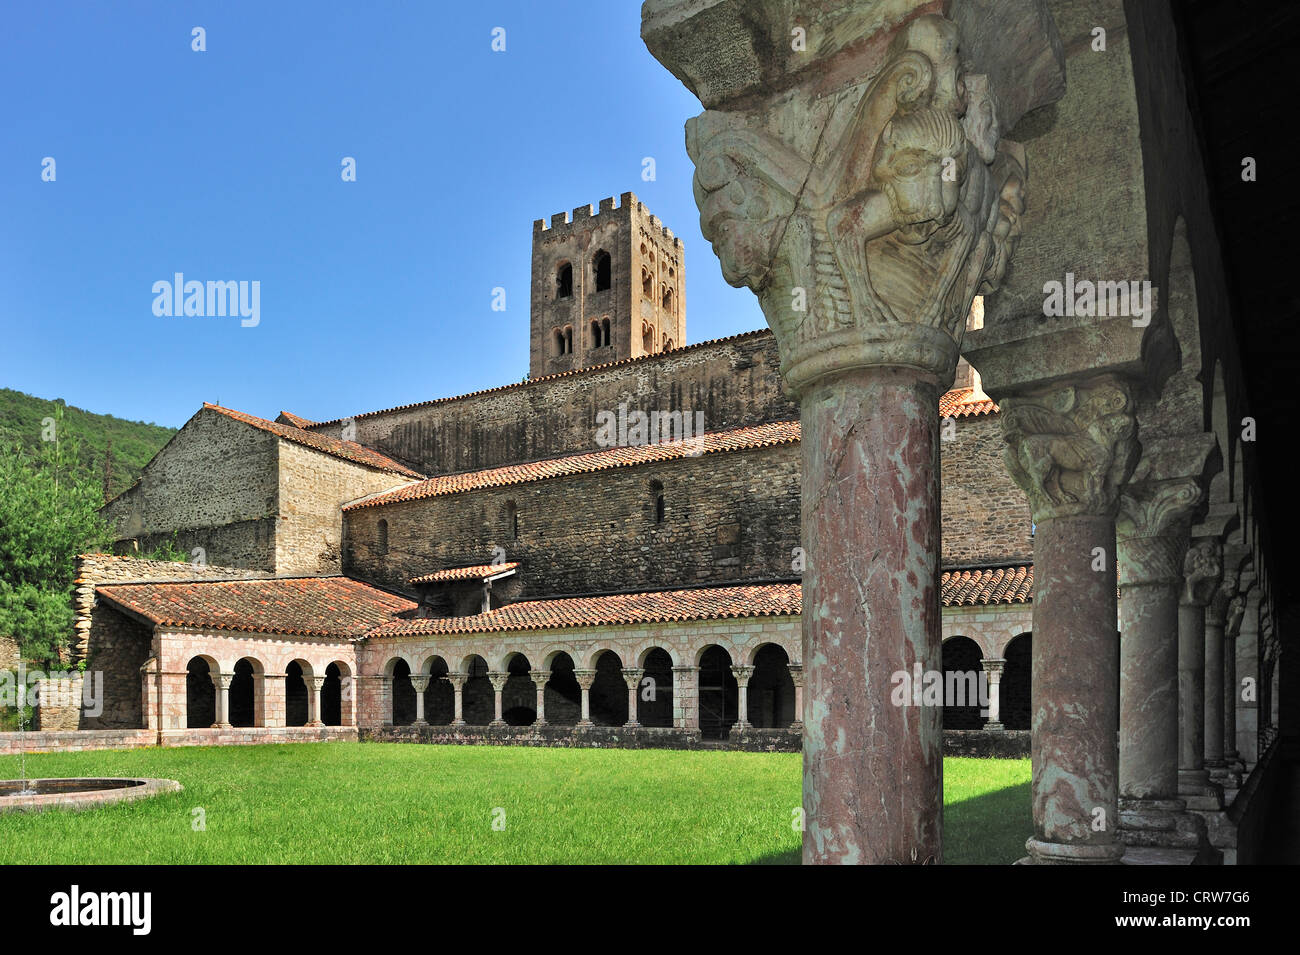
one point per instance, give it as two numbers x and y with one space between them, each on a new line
906 207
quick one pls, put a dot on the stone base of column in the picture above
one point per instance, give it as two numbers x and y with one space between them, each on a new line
458 723
992 727
1221 830
1195 788
1059 853
220 726
584 723
498 723
540 723
1160 823
738 728
796 726
631 725
318 723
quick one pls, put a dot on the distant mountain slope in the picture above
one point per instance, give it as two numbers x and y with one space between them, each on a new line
134 442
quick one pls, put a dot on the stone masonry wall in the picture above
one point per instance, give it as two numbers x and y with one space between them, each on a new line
727 516
313 486
214 485
985 515
735 382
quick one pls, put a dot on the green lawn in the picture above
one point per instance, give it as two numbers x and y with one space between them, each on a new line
401 803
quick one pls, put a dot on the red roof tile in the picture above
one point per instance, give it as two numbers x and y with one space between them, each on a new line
477 572
347 450
989 585
702 603
739 439
962 403
302 606
289 418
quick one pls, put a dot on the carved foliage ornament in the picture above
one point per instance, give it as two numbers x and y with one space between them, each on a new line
897 217
1071 449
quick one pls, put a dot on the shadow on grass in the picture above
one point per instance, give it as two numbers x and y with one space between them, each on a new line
990 829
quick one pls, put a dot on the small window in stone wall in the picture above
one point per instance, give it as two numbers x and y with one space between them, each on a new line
601 266
381 539
657 501
512 519
564 281
604 327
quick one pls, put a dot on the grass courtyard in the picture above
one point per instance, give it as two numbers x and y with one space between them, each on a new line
399 803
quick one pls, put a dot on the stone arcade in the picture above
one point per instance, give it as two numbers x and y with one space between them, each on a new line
481 569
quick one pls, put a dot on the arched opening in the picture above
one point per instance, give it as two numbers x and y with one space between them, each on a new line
771 689
295 695
563 695
961 679
719 693
647 283
439 695
608 691
200 694
668 301
601 266
1015 693
512 519
568 339
654 705
604 328
564 281
657 501
559 342
519 695
403 694
478 703
381 538
331 695
595 334
245 706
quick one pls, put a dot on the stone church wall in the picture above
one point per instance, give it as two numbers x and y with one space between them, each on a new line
985 515
729 516
735 382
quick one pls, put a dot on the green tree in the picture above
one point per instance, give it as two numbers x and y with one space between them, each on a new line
48 514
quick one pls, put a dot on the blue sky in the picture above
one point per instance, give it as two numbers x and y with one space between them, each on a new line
225 164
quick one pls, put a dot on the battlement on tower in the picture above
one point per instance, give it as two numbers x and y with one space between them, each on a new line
582 218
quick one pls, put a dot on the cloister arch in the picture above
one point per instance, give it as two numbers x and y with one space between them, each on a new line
719 694
439 695
770 695
201 692
247 693
297 684
519 695
563 695
478 699
962 673
655 698
403 691
1016 691
608 693
335 703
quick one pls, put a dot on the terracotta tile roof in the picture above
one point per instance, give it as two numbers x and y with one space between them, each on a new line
739 439
962 403
563 374
477 572
988 585
702 603
289 418
302 606
347 450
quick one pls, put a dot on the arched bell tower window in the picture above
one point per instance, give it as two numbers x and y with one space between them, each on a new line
564 281
601 266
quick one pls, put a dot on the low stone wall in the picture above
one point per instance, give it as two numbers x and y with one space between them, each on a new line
71 741
583 737
1009 744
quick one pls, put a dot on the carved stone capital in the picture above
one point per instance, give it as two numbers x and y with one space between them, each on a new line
742 673
1072 448
865 221
1202 571
498 680
585 678
1236 613
1152 529
632 676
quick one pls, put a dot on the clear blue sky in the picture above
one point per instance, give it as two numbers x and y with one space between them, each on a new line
225 164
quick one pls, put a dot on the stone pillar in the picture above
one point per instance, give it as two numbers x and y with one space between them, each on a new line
1202 570
1152 537
222 682
498 681
796 674
585 678
540 678
420 683
632 677
386 695
314 686
1233 766
457 689
1071 448
1215 616
994 669
863 193
742 675
1247 689
686 697
275 710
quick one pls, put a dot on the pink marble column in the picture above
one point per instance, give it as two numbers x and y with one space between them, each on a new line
1071 448
458 696
632 677
742 673
314 686
870 609
1202 571
796 675
420 683
993 669
540 678
585 679
498 681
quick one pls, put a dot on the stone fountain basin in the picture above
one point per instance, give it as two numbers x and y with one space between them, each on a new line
78 792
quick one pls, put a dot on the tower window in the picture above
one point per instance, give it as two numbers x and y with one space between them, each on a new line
512 519
668 300
647 283
381 543
657 501
568 339
601 266
564 281
559 342
595 334
604 327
